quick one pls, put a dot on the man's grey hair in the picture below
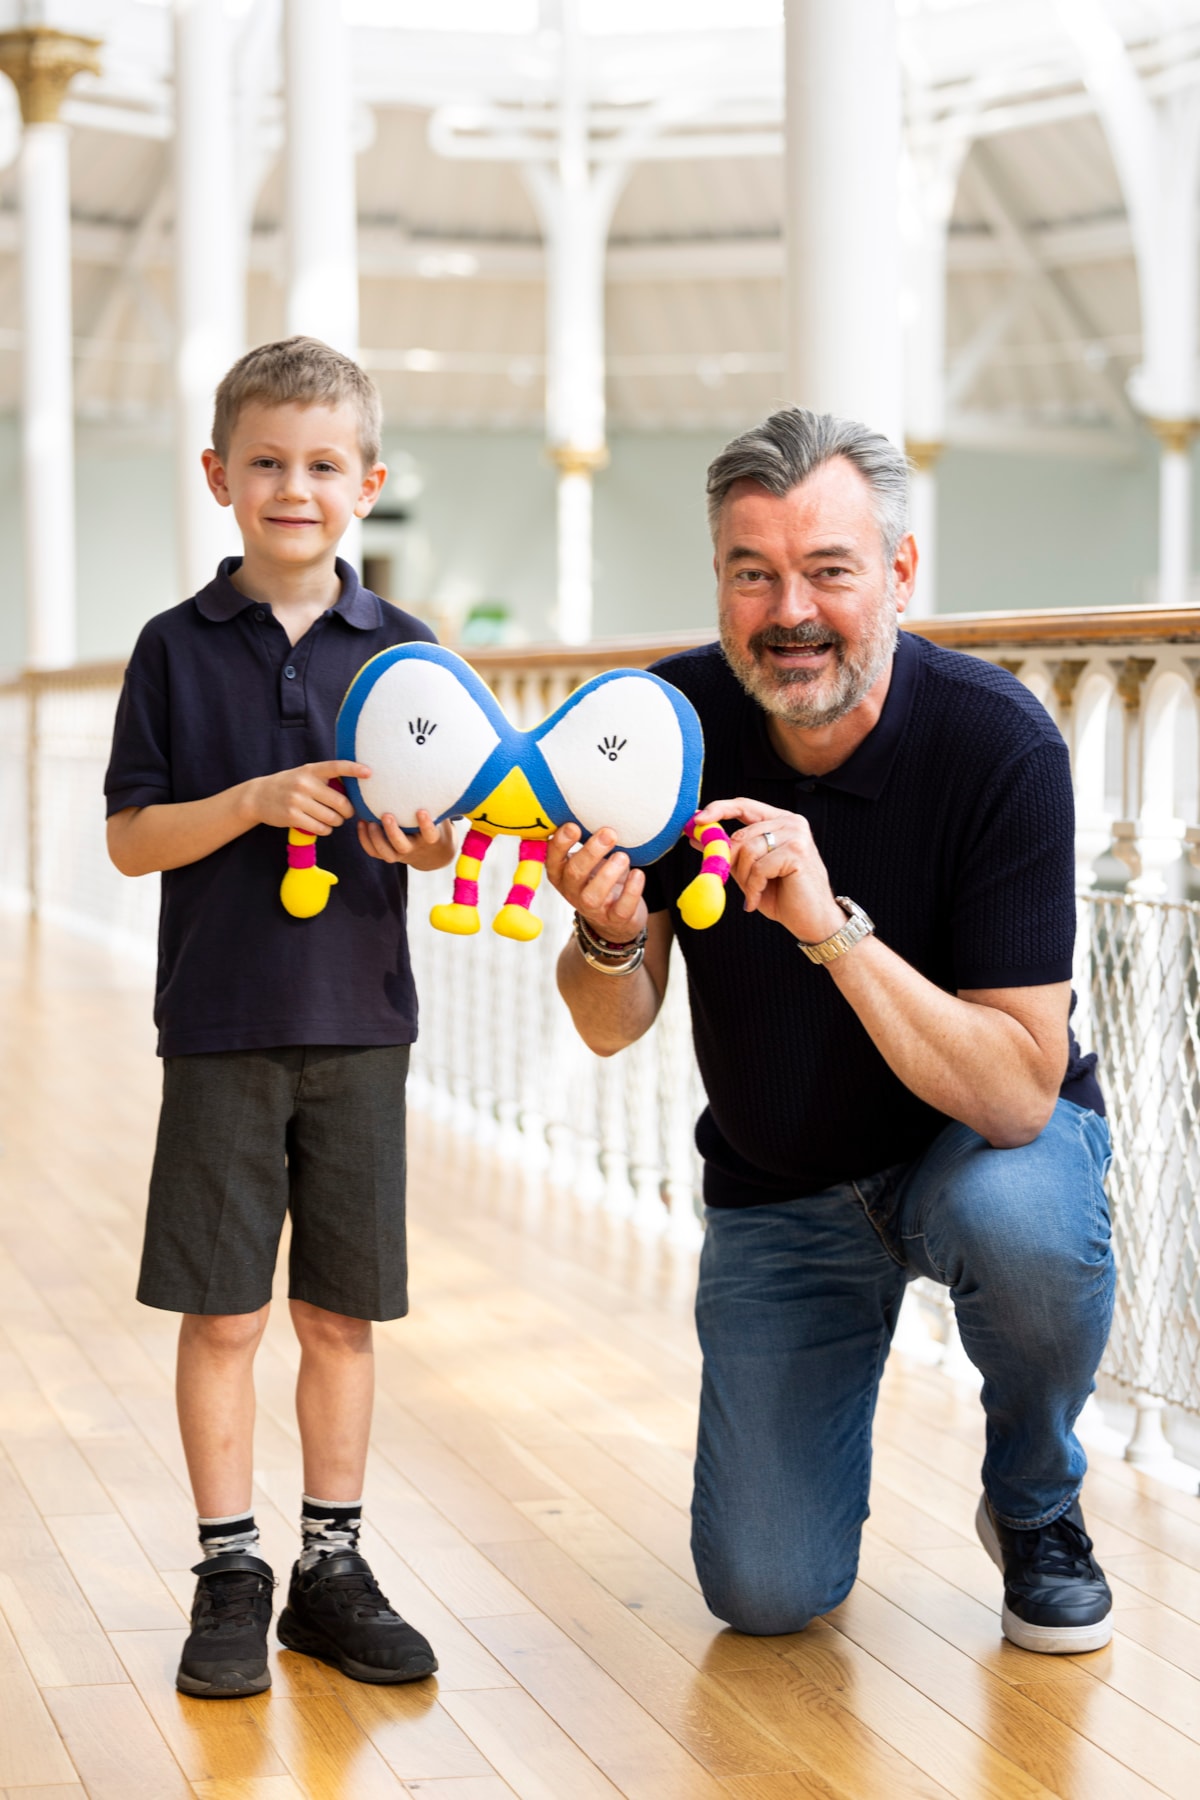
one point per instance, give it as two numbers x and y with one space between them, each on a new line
785 449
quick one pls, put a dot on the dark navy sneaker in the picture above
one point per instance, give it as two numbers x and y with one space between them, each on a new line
335 1611
1056 1599
225 1656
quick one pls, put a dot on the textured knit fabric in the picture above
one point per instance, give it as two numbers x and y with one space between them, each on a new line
214 694
952 826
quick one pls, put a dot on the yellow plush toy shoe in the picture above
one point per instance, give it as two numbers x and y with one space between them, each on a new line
454 917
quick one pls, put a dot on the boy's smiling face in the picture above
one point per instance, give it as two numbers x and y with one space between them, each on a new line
294 477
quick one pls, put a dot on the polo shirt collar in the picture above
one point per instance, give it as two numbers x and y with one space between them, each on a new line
356 605
865 771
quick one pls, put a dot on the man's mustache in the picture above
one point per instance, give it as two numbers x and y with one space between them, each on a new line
782 637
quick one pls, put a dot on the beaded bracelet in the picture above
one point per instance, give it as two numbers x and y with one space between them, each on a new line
606 957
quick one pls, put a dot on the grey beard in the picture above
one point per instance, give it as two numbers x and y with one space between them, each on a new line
782 694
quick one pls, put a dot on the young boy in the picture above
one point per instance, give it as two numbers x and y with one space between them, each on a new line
285 1041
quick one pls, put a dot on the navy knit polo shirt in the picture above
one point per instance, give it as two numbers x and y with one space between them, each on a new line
952 825
214 694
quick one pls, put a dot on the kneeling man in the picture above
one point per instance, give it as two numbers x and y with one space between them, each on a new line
893 1087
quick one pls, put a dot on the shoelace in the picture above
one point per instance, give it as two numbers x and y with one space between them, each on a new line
231 1599
363 1593
1062 1548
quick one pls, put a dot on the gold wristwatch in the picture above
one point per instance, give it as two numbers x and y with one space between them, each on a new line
856 928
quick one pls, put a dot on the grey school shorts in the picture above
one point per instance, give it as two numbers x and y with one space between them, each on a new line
246 1136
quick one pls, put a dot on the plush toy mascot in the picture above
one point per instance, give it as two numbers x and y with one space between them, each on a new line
624 750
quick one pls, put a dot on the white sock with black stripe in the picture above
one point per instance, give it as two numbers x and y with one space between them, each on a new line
236 1532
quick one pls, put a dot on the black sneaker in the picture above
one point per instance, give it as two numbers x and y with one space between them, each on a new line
335 1611
1056 1599
225 1656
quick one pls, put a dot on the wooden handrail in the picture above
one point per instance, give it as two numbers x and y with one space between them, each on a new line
958 631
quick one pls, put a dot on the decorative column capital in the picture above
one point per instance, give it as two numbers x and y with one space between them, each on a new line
41 63
1064 677
923 453
1131 674
1175 435
570 459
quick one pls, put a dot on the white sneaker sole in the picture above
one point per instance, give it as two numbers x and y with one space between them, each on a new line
1045 1640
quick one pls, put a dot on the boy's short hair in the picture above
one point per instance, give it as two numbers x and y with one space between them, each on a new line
299 371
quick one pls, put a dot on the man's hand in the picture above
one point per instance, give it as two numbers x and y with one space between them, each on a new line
778 868
301 799
598 882
430 847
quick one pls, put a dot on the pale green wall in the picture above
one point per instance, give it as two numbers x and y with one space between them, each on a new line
1015 531
1032 531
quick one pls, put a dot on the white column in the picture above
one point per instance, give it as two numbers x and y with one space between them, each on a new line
575 205
47 421
929 183
320 197
1156 148
209 275
319 176
1174 509
842 155
41 63
923 455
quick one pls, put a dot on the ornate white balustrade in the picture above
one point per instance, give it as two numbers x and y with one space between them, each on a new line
499 1058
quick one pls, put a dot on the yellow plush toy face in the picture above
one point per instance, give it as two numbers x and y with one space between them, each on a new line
512 809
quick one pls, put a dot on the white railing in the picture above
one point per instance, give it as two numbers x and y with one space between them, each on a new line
499 1058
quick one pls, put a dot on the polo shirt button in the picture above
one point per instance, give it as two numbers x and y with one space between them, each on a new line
259 614
290 672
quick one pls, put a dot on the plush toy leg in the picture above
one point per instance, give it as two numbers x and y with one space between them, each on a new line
514 920
461 916
305 888
703 900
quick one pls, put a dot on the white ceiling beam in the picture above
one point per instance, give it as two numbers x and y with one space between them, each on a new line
387 252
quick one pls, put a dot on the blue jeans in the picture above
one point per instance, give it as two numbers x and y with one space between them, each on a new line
796 1307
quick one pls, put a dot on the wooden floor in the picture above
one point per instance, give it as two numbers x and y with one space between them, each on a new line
527 1501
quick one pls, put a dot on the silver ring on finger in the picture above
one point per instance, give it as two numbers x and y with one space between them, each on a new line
768 838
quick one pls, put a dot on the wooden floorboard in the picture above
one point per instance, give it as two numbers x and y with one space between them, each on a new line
527 1506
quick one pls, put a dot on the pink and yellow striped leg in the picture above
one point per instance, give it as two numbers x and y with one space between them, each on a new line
514 920
461 916
703 900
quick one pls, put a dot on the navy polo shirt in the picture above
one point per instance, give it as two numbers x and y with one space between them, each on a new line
952 825
214 694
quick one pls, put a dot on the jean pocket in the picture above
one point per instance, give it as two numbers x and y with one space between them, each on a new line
877 1197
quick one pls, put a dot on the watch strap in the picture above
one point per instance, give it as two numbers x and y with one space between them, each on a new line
857 927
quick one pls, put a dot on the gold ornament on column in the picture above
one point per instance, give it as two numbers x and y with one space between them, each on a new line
923 453
1175 435
568 459
41 63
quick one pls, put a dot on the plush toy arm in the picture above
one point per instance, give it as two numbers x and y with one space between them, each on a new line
703 900
305 888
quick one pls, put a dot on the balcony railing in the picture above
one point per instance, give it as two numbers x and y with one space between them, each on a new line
498 1055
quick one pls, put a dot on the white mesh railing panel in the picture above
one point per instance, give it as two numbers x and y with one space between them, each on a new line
1141 970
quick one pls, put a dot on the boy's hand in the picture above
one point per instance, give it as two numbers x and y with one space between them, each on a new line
302 799
430 847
